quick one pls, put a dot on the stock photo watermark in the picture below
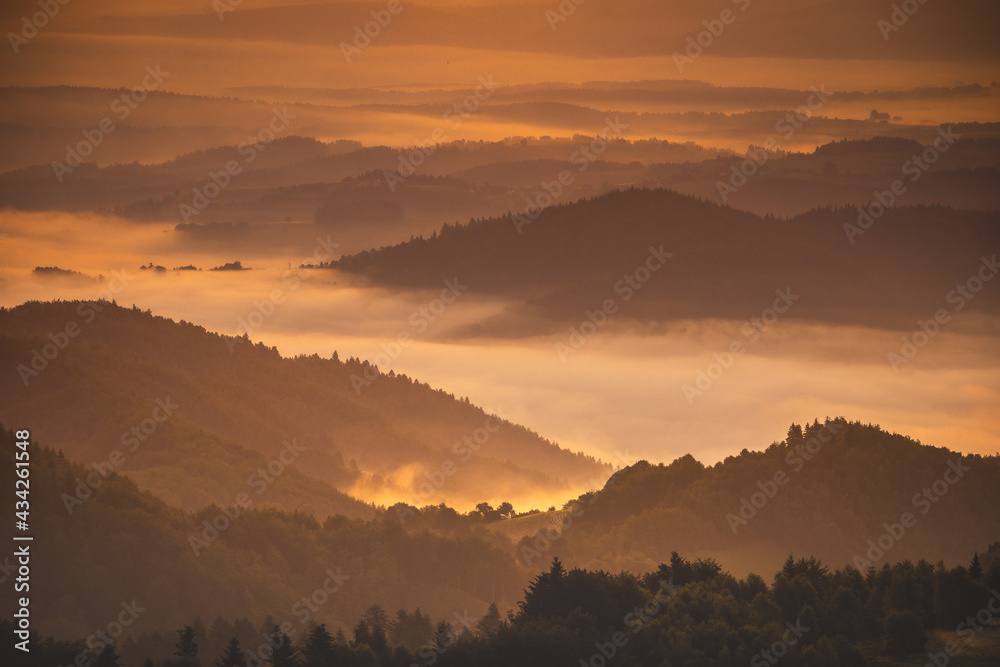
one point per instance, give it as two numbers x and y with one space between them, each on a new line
258 482
218 181
121 108
455 115
33 24
915 168
924 500
751 330
363 36
756 156
554 189
798 455
958 298
697 43
59 340
419 321
626 287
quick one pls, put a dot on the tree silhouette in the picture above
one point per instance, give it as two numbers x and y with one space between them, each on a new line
319 648
795 437
108 657
362 634
285 654
379 642
376 617
975 568
187 647
490 622
232 656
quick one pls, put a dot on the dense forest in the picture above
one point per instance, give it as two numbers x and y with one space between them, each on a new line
118 544
827 489
684 613
567 259
234 560
356 430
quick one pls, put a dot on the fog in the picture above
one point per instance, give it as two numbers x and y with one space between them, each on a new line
620 396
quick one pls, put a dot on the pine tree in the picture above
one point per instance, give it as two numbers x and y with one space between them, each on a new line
379 642
557 571
319 648
376 617
490 621
187 647
232 656
362 635
444 637
108 657
284 652
975 568
795 437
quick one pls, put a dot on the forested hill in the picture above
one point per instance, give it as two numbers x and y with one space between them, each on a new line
121 546
725 263
826 490
236 408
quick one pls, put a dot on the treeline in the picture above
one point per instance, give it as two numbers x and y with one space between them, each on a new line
123 545
569 257
834 489
238 402
683 613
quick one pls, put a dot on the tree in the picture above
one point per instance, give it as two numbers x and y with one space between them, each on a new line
975 568
505 508
319 648
187 647
232 656
795 437
108 657
362 634
444 637
284 652
379 643
485 510
490 621
376 617
557 571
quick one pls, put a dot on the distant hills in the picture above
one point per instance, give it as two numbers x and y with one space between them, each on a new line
568 260
236 408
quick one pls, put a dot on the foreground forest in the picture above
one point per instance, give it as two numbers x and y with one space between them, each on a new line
683 613
104 543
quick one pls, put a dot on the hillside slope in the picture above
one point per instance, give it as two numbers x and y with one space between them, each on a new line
839 491
122 545
238 407
724 263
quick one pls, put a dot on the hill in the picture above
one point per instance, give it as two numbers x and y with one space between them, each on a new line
122 546
197 418
567 260
844 492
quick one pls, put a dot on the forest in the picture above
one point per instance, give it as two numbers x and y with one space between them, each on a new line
684 613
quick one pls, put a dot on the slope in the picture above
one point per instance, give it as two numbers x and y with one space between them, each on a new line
235 407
